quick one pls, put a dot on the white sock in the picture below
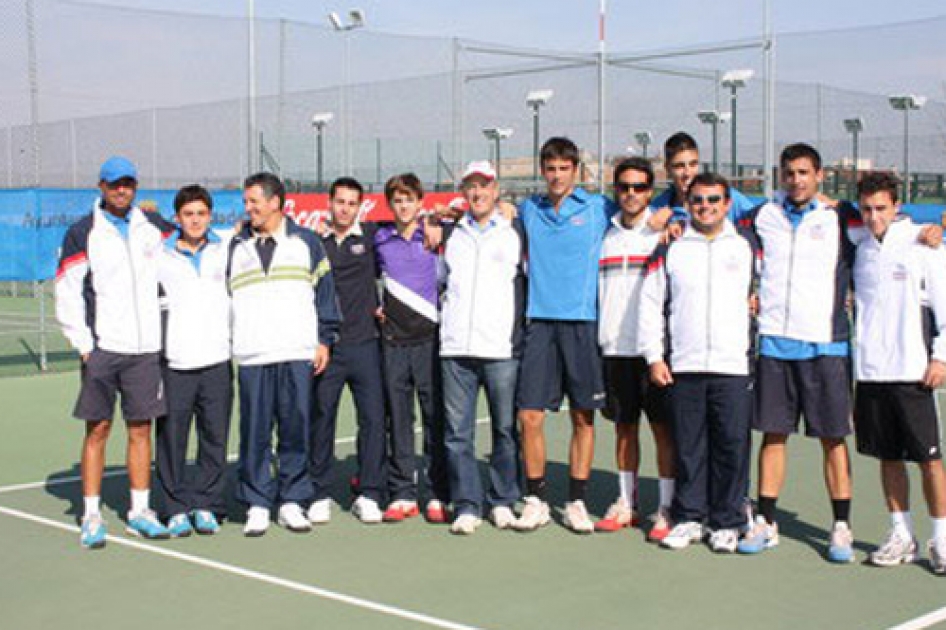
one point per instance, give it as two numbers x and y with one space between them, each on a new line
627 485
93 506
939 528
902 521
139 501
665 491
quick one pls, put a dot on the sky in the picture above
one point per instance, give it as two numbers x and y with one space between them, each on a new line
573 24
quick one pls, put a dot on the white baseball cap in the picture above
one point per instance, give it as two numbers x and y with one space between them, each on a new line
482 168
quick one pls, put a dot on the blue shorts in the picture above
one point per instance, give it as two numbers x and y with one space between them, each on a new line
560 358
819 389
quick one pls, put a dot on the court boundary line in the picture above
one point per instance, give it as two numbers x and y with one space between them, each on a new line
259 576
923 621
122 472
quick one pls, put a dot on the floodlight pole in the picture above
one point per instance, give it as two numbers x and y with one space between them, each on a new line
252 157
356 21
733 148
905 103
602 12
535 142
854 127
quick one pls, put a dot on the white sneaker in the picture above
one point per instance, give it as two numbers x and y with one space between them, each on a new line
320 512
937 550
365 510
502 517
534 515
682 535
724 540
293 518
899 547
465 524
257 521
576 518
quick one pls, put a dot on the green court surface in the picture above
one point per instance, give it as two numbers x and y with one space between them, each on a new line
416 575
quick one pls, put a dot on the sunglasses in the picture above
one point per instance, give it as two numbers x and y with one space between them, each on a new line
640 187
698 200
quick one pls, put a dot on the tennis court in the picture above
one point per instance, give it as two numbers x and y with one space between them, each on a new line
416 575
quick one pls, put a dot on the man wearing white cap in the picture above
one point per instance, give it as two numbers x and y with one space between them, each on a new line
107 304
480 341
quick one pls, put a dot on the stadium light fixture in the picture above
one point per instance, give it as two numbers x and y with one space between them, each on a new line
536 99
905 103
356 20
497 135
319 121
645 139
854 126
714 119
735 80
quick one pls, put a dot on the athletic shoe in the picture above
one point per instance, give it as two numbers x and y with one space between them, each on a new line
618 516
535 514
145 524
320 512
257 521
662 524
93 532
937 550
366 510
399 510
896 549
465 524
724 540
502 517
682 535
576 517
762 536
293 518
841 547
435 512
205 522
180 526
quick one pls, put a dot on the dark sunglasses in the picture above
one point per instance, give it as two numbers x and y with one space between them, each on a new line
638 187
697 200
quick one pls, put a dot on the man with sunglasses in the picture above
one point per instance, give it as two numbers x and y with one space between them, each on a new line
695 333
107 305
627 244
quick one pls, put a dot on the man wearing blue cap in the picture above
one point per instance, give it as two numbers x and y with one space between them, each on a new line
107 304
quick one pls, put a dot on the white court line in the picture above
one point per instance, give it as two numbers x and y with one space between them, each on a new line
925 621
253 575
61 481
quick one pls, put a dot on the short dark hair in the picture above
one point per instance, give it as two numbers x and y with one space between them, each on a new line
635 164
403 183
877 182
680 141
346 182
270 184
194 192
559 148
710 179
798 151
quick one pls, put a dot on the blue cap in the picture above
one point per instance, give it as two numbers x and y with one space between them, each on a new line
116 168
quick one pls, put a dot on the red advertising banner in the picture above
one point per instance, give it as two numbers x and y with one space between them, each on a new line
311 209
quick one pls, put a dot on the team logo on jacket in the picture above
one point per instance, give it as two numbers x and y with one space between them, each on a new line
817 232
577 220
358 249
900 273
732 264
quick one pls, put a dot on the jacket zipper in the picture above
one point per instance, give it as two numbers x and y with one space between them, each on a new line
134 284
788 282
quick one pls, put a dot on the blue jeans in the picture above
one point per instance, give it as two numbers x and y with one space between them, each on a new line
462 378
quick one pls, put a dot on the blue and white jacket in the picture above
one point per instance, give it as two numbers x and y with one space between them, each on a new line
197 303
284 312
107 282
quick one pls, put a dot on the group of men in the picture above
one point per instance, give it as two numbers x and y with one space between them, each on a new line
707 312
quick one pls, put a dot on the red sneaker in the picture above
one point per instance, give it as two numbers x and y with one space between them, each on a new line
662 526
435 512
618 516
400 510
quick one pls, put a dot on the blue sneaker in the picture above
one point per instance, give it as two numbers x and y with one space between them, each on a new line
205 522
762 536
93 532
180 526
146 525
841 547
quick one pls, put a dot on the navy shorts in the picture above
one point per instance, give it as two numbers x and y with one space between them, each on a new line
137 377
560 358
896 422
630 391
818 389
